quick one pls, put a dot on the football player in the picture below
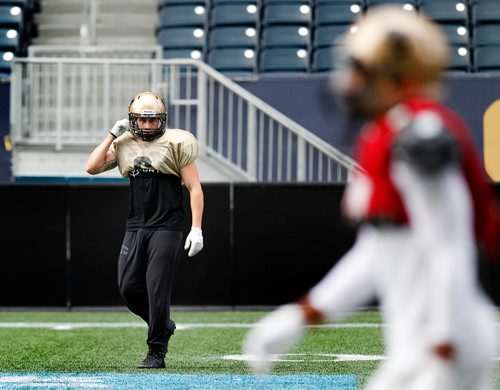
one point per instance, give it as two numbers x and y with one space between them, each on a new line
425 211
157 161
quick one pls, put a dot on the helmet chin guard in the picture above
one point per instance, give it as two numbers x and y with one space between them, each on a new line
147 105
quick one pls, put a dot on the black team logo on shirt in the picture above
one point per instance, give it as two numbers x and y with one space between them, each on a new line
142 165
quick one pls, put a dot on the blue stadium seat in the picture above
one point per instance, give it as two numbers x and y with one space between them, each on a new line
457 34
487 35
309 2
445 10
181 37
285 35
409 5
328 35
487 59
322 59
485 11
320 2
5 62
230 60
459 59
11 16
284 59
24 4
287 13
217 2
242 13
9 39
181 2
233 36
183 53
337 13
183 15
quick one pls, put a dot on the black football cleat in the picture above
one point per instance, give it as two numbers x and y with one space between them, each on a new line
154 360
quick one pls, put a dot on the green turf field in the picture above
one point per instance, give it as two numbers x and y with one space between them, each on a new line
201 345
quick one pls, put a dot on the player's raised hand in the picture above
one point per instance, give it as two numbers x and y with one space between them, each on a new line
194 241
120 127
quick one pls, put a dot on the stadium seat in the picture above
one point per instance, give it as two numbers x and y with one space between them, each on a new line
409 5
217 2
11 16
337 13
487 35
233 36
329 34
485 11
285 35
181 37
309 2
5 61
487 59
230 60
183 15
322 59
457 34
459 59
184 2
287 13
284 59
9 39
445 10
24 4
320 2
183 53
244 13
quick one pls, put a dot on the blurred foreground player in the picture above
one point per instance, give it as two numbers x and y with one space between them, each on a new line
425 211
156 161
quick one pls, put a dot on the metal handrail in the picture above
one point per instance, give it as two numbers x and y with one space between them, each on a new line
230 123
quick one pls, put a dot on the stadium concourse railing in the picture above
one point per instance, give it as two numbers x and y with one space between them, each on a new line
65 103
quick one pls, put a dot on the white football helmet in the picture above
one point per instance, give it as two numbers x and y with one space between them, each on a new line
388 44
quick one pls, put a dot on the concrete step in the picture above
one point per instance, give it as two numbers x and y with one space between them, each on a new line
102 19
75 40
143 32
111 6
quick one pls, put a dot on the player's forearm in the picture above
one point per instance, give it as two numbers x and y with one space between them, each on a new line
197 204
98 161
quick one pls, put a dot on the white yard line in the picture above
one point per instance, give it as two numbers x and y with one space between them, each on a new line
180 326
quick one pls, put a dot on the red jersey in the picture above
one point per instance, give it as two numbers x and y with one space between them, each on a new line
373 194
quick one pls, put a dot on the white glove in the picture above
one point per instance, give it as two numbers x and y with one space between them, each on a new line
195 240
120 127
273 335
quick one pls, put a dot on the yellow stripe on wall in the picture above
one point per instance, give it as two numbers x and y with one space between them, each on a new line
491 140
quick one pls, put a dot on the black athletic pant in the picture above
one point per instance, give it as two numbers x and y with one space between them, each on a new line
146 267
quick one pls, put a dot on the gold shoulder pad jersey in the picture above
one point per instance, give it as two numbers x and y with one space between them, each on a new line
155 180
168 154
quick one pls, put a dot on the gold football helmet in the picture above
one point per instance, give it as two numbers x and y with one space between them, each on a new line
147 105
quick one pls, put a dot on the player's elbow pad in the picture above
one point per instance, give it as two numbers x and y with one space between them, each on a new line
426 144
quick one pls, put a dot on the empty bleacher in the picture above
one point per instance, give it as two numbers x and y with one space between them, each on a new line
263 35
16 30
298 35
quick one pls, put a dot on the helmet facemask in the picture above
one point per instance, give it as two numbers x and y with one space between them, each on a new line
149 134
147 105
